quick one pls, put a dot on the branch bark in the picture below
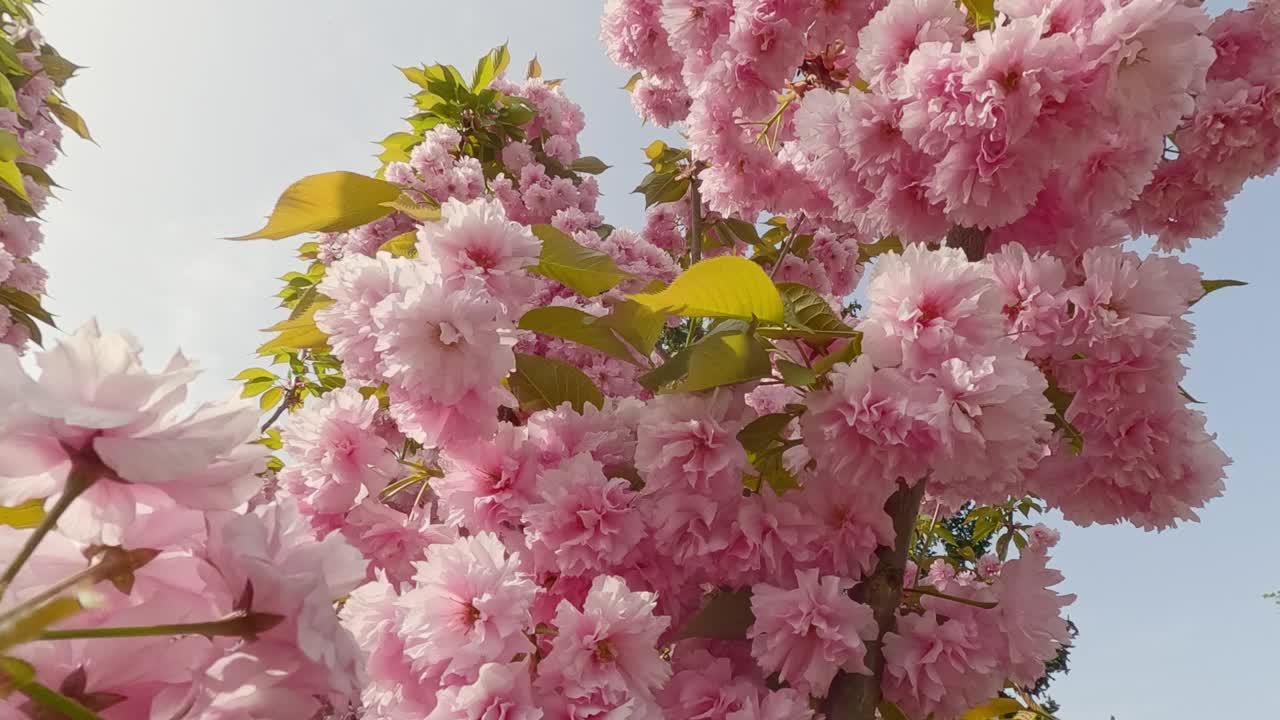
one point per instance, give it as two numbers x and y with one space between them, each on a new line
856 696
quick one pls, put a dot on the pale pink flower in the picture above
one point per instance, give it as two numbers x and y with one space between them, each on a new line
96 411
340 456
925 306
690 441
583 522
809 633
611 644
502 691
901 26
357 284
477 240
1028 617
938 666
487 485
470 606
390 540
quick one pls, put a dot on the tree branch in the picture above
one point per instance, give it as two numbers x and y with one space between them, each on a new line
854 696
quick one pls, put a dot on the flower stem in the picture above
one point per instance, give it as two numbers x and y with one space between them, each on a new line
77 483
237 625
925 590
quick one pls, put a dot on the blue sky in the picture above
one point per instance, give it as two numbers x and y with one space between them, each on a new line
205 111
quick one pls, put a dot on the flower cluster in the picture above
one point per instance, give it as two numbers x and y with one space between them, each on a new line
144 519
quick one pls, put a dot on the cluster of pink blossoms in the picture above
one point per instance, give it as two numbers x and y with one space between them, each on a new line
1059 125
32 123
157 519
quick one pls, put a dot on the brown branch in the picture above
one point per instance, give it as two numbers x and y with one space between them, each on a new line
854 696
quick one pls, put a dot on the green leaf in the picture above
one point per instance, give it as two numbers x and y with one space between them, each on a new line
71 119
417 76
26 302
8 96
9 61
637 325
27 515
396 147
890 711
257 387
490 67
725 359
1212 285
256 373
58 68
540 383
764 431
667 373
796 375
1061 400
845 354
806 309
583 270
580 327
271 398
662 187
888 243
411 207
726 616
589 164
328 203
298 333
404 245
982 13
724 287
993 709
39 174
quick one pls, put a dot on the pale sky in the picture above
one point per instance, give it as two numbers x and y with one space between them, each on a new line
205 111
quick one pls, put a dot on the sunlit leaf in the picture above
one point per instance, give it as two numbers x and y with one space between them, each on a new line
889 243
414 209
71 119
404 245
27 515
993 709
396 147
1212 285
271 398
298 333
845 353
577 326
725 287
982 13
329 202
586 271
725 359
540 383
490 67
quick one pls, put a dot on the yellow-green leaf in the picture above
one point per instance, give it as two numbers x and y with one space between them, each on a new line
404 245
1212 285
271 398
8 97
29 625
255 373
396 146
535 68
540 383
726 287
586 271
808 310
589 164
982 13
580 327
890 711
725 359
411 207
633 81
27 515
993 709
796 375
298 333
639 326
10 148
490 67
329 202
888 243
846 353
71 119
